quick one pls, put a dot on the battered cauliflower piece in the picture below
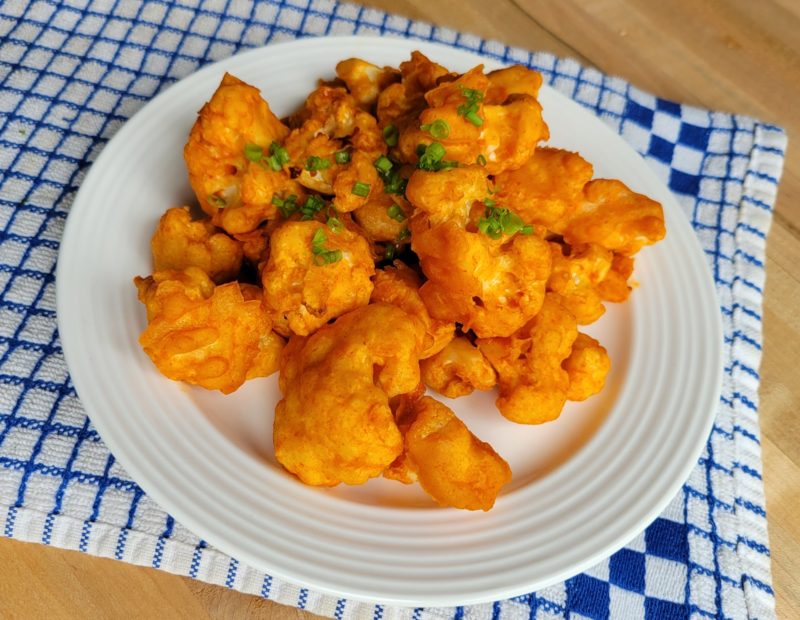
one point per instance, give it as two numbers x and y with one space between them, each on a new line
587 366
270 345
613 216
206 336
452 465
364 80
532 383
576 276
375 220
447 194
405 99
614 287
514 80
314 274
492 286
458 369
231 179
547 189
399 287
179 243
356 183
334 423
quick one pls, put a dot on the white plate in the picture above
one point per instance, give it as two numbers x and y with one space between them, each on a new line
583 485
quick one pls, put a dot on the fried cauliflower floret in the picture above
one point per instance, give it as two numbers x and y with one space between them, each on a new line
458 369
447 194
384 217
614 287
514 80
613 216
450 463
356 183
399 286
547 189
255 244
334 423
200 334
364 80
532 384
575 277
235 190
179 243
270 345
587 366
304 290
511 132
490 286
406 98
313 156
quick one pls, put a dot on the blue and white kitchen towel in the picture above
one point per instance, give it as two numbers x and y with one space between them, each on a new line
72 72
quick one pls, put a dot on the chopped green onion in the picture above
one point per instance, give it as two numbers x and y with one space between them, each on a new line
393 183
396 213
217 201
404 234
498 222
361 189
390 135
472 117
314 163
312 206
253 152
278 156
335 224
438 129
390 251
342 157
420 150
383 164
489 202
317 240
286 206
432 158
321 255
481 161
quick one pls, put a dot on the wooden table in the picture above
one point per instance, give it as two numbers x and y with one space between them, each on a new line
733 55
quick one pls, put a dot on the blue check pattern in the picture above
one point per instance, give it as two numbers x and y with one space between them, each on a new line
72 73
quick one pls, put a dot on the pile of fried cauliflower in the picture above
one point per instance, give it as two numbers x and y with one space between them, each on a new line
402 229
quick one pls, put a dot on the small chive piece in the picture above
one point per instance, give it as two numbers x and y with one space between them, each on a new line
321 255
383 164
312 206
314 163
278 156
335 224
390 134
253 152
396 213
404 234
440 129
217 201
342 157
318 239
489 202
391 248
361 189
498 222
472 117
420 150
286 206
481 161
431 158
469 109
527 229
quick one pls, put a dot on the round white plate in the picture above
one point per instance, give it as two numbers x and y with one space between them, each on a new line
583 485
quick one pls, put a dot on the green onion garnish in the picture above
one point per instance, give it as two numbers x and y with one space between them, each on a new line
396 213
314 163
469 109
286 206
342 157
432 158
390 135
390 251
438 129
321 255
498 222
312 206
217 201
481 160
278 156
253 152
383 164
404 234
361 189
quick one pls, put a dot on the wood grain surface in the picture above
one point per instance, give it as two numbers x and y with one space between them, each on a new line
735 55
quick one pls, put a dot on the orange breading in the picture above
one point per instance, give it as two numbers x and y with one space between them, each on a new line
587 366
270 346
492 286
514 80
575 277
303 290
613 216
334 423
399 286
450 463
235 191
361 170
179 243
458 369
532 384
447 194
200 334
365 80
397 101
375 222
614 287
546 189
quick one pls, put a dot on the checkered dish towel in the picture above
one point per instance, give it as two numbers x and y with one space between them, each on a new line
71 74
